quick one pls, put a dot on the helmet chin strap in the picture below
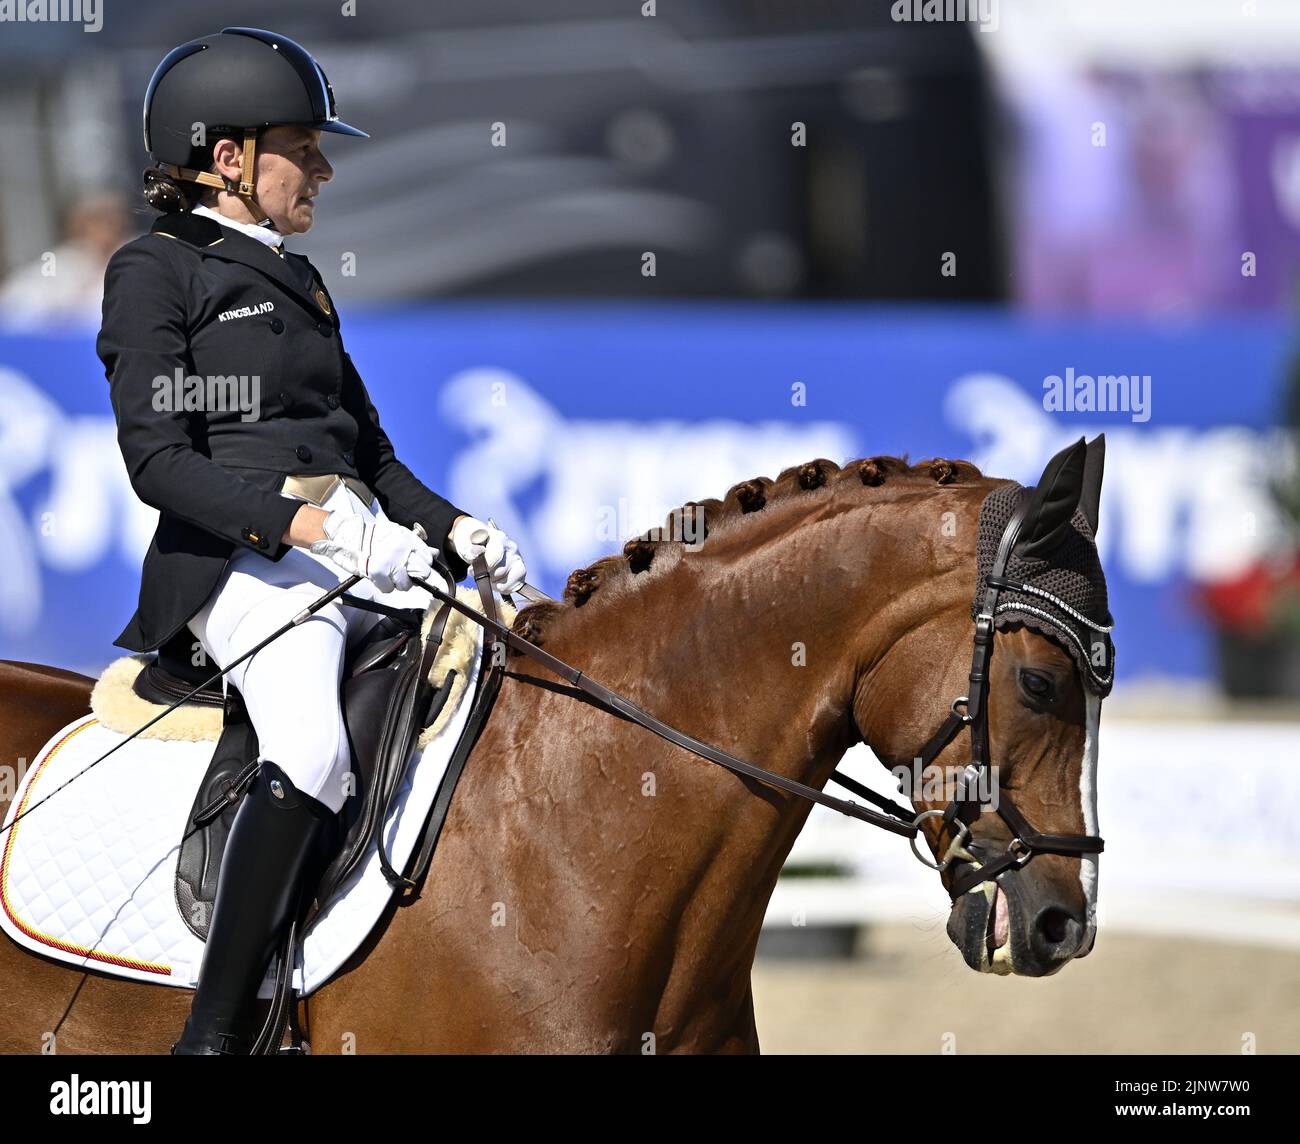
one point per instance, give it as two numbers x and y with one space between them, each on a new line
244 188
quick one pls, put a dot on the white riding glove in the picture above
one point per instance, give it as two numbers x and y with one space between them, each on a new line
384 552
500 552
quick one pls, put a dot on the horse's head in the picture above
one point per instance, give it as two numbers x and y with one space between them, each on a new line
1025 699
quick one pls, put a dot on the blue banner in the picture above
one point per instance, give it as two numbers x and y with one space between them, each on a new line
576 426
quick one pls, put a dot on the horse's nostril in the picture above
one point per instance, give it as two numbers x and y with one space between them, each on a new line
1055 925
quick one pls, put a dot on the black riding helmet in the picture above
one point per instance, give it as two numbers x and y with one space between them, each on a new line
233 83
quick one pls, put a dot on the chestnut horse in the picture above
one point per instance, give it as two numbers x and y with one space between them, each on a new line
596 889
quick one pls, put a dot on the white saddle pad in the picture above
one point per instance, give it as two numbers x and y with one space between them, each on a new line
88 877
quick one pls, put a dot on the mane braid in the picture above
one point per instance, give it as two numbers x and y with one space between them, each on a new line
689 525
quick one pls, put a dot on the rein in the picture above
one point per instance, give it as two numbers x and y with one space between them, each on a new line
901 821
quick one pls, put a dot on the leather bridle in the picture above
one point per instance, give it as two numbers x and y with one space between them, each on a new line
969 801
959 813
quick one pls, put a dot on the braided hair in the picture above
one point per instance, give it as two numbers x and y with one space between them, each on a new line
170 195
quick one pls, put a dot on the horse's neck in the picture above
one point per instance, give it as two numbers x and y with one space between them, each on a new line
753 654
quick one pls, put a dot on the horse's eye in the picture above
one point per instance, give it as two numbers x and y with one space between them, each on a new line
1036 684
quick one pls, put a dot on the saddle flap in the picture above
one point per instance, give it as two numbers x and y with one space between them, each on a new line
234 763
384 711
387 700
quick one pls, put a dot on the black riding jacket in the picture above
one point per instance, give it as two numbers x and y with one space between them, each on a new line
270 391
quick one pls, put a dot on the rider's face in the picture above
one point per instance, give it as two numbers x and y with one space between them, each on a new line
289 169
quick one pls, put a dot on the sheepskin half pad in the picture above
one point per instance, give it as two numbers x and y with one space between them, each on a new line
88 877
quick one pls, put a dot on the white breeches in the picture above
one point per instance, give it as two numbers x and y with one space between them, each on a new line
291 686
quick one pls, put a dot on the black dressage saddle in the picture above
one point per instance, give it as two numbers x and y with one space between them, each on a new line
387 701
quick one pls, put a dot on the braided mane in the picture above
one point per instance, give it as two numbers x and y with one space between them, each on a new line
689 525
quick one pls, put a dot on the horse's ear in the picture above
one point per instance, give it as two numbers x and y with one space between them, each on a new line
1090 497
1053 501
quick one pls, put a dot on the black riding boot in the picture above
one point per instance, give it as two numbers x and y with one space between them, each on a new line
273 842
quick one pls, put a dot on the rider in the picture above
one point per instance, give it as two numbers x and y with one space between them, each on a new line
270 491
